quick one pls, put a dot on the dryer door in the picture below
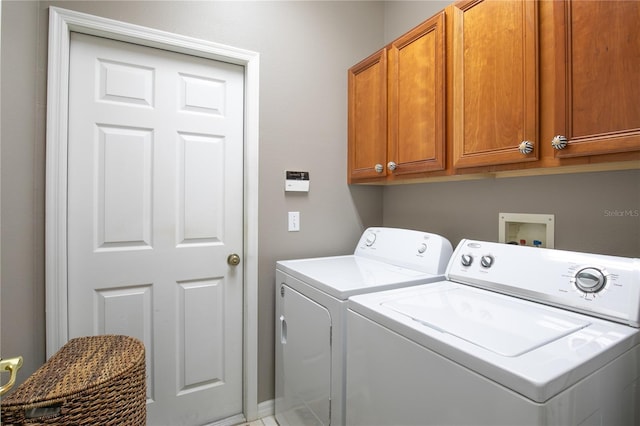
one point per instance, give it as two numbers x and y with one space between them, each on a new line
303 369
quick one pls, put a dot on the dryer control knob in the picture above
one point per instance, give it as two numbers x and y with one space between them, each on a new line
590 280
486 261
466 260
371 238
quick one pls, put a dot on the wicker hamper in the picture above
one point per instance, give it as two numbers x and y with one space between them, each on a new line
96 380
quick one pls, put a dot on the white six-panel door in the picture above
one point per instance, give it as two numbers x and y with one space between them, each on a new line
155 206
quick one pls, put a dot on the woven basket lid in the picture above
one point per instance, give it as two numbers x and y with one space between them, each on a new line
82 363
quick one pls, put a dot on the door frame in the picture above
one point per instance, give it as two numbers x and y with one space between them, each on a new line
61 23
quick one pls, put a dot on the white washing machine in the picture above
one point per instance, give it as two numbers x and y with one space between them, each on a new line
514 336
311 298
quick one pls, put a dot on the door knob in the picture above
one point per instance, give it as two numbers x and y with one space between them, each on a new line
11 365
233 259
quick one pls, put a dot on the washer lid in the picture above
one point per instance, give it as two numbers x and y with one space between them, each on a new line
539 374
507 329
345 276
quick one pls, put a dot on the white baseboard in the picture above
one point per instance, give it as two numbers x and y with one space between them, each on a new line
266 408
266 411
229 421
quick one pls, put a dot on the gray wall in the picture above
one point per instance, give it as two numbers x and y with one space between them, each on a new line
22 190
401 16
306 48
594 212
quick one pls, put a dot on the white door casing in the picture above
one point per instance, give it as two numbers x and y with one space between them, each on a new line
62 23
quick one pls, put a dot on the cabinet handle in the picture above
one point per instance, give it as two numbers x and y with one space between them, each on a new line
379 168
526 147
392 166
559 142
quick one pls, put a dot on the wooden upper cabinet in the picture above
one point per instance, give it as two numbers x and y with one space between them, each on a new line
495 82
367 118
397 107
597 76
416 126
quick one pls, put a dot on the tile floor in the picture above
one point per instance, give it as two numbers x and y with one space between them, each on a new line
265 421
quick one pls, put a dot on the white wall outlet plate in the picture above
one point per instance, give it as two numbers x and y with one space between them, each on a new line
294 221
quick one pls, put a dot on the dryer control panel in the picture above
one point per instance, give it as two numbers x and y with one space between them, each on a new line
411 249
599 285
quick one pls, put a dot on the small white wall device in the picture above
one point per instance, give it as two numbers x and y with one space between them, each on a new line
296 181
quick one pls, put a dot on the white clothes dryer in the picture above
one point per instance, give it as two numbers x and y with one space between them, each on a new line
311 304
514 336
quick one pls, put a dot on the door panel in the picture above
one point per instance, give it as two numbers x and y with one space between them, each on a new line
123 174
417 99
367 115
155 196
495 82
597 76
305 368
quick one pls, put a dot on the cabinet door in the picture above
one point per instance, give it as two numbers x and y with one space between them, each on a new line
495 94
598 76
367 156
416 134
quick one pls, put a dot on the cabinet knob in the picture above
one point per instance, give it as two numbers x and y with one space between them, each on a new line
526 147
392 166
559 142
379 168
